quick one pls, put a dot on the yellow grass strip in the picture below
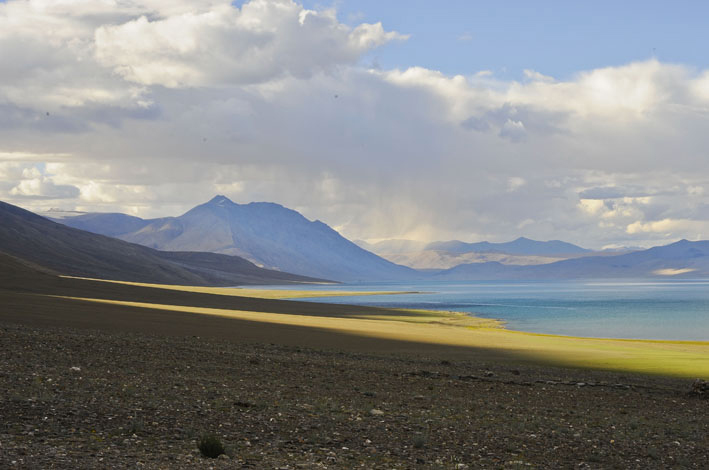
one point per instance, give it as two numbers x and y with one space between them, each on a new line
246 292
677 358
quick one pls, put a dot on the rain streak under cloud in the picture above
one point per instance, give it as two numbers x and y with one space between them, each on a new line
151 109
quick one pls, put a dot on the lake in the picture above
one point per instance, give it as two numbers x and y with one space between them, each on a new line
670 310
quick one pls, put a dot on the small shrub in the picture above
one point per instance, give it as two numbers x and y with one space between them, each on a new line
210 446
137 426
700 388
653 453
419 442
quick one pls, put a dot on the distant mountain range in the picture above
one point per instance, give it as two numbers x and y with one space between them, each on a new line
43 245
266 234
520 246
683 259
448 254
392 246
276 237
436 259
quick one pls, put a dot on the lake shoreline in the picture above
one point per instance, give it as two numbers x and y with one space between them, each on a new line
142 306
659 310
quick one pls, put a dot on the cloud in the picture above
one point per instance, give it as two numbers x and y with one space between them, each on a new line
264 40
476 123
151 107
33 183
38 157
513 130
73 54
665 226
591 206
514 183
613 192
516 122
673 272
533 75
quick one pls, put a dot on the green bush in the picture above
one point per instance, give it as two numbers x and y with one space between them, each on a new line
210 446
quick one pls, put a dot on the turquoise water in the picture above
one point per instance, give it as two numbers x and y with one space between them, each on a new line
672 310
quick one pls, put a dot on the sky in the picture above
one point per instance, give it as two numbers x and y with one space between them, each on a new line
580 121
558 38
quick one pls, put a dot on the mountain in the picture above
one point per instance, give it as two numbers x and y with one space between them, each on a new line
683 259
392 246
109 224
520 246
445 255
13 268
39 243
267 234
435 259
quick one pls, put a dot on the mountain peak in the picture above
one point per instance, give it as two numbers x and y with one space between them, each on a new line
267 234
220 200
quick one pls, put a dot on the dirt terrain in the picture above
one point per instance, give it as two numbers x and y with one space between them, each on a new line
76 398
85 385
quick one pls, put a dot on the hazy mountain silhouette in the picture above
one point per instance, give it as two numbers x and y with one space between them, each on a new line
35 241
267 234
392 246
445 255
683 259
520 246
109 224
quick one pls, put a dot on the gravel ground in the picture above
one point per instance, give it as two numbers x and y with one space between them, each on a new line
84 399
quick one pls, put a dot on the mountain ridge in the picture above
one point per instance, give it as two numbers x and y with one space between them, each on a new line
681 259
448 254
519 246
266 233
36 240
272 235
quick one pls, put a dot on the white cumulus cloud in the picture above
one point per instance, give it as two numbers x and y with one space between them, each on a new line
262 41
152 107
